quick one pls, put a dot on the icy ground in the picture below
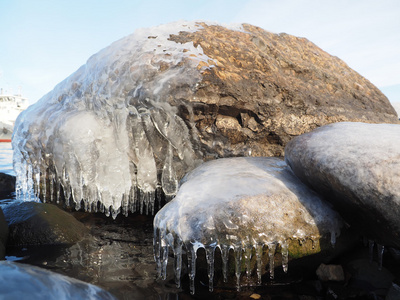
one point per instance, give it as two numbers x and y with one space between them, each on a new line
240 204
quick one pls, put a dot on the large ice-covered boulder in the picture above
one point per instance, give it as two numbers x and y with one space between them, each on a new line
357 167
243 203
21 281
124 128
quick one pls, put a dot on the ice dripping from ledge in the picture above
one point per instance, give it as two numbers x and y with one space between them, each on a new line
107 138
245 205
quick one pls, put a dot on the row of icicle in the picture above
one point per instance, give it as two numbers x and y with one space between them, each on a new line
162 244
34 187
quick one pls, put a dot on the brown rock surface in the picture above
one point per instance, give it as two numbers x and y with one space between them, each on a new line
276 86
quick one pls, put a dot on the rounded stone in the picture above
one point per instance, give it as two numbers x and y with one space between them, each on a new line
32 223
356 166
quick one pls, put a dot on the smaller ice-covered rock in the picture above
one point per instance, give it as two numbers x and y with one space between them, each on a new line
244 204
20 281
357 167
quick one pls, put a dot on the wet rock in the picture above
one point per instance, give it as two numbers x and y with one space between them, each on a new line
177 95
244 204
3 234
366 276
20 281
32 223
356 166
393 293
117 256
330 273
7 184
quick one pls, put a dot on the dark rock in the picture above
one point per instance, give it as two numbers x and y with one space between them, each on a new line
7 184
32 223
368 277
393 293
3 234
20 281
330 273
356 166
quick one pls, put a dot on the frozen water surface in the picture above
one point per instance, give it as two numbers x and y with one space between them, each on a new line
240 204
107 137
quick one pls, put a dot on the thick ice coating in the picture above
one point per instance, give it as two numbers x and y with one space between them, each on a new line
240 204
107 135
356 166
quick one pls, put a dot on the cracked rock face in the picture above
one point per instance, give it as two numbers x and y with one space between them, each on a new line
121 131
265 88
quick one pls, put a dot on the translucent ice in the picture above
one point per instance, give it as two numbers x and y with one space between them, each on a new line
108 138
240 204
21 281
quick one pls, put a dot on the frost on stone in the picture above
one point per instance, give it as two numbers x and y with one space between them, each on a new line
109 137
243 204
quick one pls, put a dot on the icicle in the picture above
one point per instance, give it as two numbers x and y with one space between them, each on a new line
285 256
225 255
168 177
192 256
177 261
164 259
238 260
259 253
152 199
29 183
158 197
37 183
157 250
57 187
44 189
132 199
114 212
106 211
271 255
210 250
380 249
247 257
371 250
333 238
141 201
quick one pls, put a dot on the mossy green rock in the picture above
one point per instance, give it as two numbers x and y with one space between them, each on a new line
32 223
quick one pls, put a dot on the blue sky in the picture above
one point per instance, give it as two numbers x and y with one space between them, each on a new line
44 41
